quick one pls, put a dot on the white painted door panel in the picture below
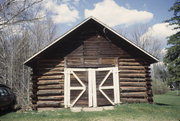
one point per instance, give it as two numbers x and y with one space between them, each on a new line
92 86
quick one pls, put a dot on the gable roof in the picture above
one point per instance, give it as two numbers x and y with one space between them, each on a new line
79 25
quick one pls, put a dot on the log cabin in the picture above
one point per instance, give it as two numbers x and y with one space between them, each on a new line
90 66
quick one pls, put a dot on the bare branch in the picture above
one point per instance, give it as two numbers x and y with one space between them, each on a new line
5 21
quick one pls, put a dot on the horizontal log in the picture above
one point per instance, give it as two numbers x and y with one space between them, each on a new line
41 67
50 77
89 58
102 46
73 60
132 64
131 60
134 100
44 80
45 87
133 89
112 52
50 82
48 73
48 104
98 56
99 46
49 92
90 65
133 75
104 50
133 71
50 98
134 67
61 75
133 83
108 62
132 79
91 62
74 55
105 53
61 69
133 95
74 64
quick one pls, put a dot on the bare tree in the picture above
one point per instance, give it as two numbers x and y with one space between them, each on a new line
12 13
4 56
152 45
139 36
16 11
160 72
17 44
22 34
42 33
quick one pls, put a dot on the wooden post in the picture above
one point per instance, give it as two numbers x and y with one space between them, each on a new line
66 80
93 79
116 85
68 87
90 95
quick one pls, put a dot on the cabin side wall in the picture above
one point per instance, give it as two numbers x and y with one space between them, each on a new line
48 84
135 82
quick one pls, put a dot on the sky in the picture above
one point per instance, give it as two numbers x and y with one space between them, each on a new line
118 14
68 13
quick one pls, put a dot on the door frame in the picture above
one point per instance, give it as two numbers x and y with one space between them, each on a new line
92 89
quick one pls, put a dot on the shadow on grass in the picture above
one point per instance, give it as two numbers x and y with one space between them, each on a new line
4 112
162 104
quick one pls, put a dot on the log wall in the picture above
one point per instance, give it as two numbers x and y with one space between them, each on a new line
135 82
48 84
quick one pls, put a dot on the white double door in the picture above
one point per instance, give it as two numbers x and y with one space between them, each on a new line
91 86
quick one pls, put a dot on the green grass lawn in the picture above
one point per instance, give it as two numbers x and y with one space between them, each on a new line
167 108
